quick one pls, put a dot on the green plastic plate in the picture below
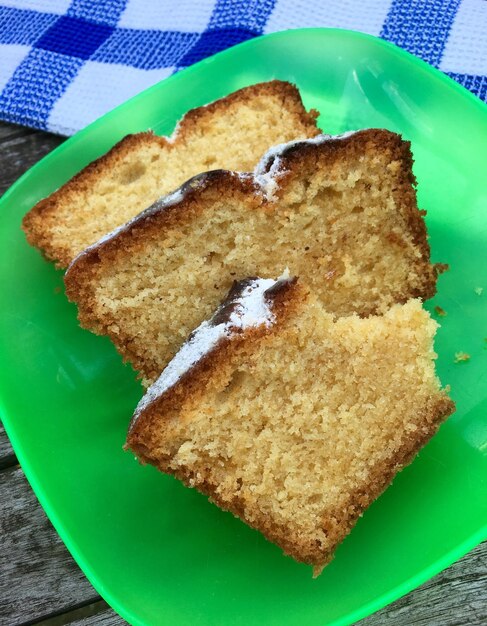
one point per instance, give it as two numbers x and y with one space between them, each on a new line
160 553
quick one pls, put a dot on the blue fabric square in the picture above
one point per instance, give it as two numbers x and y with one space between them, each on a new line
421 28
145 49
103 11
213 41
242 14
36 85
75 37
23 27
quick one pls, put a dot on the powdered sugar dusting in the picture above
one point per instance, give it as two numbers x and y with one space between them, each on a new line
248 308
266 177
175 133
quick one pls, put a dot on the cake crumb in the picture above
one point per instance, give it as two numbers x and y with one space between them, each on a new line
439 311
57 289
460 357
479 290
288 458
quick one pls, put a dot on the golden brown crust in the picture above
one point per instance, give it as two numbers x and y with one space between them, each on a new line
285 298
341 522
158 217
153 222
288 92
36 224
301 153
39 221
337 525
191 387
162 216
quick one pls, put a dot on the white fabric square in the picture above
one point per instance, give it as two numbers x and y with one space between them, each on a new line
98 88
11 55
59 7
466 49
367 17
183 15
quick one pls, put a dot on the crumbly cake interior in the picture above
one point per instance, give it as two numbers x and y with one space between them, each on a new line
299 431
343 224
231 134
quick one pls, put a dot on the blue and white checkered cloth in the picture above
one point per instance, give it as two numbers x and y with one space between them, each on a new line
63 63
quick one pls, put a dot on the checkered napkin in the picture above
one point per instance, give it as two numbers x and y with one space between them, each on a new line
63 63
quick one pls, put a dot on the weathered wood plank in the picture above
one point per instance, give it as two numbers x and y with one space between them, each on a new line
20 149
7 455
38 577
455 597
8 131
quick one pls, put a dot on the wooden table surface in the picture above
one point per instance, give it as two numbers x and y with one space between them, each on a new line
41 584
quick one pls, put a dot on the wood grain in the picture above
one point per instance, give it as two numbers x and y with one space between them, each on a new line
20 148
7 455
37 575
41 584
455 597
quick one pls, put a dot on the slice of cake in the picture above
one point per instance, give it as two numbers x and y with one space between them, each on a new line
232 133
291 419
340 212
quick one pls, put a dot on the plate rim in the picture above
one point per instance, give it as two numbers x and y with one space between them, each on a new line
388 596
